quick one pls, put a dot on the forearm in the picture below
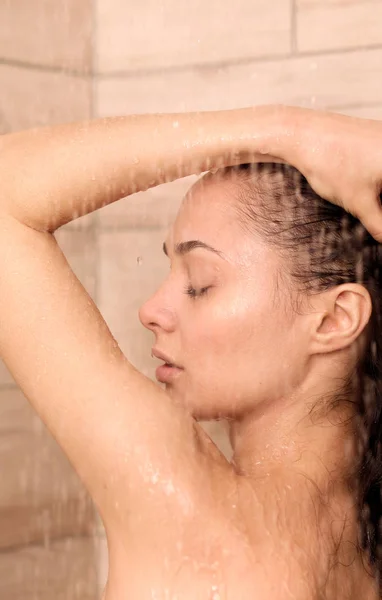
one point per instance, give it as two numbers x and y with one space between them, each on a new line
51 176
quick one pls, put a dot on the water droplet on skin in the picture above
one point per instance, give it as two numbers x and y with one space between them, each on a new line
215 593
175 124
155 478
169 488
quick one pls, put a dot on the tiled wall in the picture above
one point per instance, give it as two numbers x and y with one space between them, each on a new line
109 57
46 53
47 521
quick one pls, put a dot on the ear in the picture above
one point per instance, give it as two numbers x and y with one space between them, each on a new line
342 314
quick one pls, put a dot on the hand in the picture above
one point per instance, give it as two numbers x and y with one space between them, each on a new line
341 157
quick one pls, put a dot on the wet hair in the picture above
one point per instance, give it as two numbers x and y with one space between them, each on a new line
329 247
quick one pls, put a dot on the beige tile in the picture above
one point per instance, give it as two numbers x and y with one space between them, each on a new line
131 266
363 112
31 524
136 35
329 2
47 32
41 496
65 570
218 432
79 248
31 98
102 562
156 207
319 81
334 25
99 529
80 223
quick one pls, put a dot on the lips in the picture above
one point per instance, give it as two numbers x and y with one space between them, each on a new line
167 359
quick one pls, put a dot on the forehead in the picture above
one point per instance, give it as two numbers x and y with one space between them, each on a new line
208 213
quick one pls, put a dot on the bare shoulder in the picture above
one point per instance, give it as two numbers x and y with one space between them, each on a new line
231 546
201 565
212 563
215 554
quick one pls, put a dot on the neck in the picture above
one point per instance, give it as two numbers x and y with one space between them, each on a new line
296 464
295 434
300 452
294 457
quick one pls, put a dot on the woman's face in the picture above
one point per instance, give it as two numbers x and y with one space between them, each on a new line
238 341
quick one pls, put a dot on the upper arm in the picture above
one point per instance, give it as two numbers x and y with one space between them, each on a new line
121 432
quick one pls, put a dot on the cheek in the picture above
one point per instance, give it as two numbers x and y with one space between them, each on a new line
241 324
226 326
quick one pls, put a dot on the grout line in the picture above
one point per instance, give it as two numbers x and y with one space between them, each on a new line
207 66
235 62
187 67
92 50
20 64
94 62
133 227
52 540
293 28
10 387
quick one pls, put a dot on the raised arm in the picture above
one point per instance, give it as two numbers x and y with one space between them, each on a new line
68 171
117 427
50 176
122 433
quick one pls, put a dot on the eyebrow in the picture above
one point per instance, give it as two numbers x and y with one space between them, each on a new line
184 247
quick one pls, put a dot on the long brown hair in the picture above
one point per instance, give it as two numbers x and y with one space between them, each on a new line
290 215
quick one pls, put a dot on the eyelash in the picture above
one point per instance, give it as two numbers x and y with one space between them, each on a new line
190 291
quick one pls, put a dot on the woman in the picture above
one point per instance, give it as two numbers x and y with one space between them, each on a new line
266 312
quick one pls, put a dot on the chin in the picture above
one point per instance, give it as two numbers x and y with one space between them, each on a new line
198 410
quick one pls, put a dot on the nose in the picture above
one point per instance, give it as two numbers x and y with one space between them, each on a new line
158 313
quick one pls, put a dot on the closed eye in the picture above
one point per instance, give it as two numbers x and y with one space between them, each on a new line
193 293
